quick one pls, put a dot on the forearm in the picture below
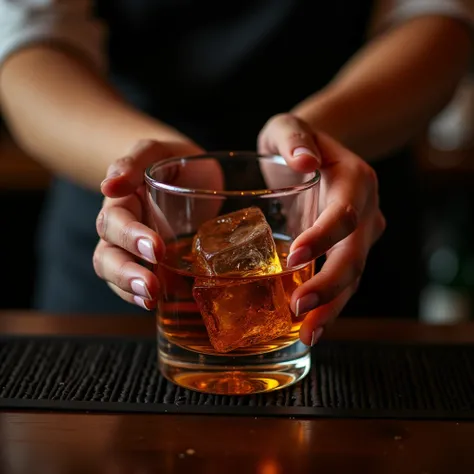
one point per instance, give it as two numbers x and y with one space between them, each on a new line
389 91
67 117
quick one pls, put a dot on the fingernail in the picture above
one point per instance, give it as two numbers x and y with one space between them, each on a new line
139 288
299 256
316 335
140 302
110 176
301 150
145 247
306 303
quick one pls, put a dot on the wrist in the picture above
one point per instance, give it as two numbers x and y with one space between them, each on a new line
130 126
322 111
347 118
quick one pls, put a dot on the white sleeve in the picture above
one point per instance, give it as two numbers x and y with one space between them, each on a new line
397 11
23 22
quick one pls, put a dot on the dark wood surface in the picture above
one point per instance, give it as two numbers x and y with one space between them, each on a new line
85 443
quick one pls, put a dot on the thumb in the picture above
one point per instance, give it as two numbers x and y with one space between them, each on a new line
125 175
290 137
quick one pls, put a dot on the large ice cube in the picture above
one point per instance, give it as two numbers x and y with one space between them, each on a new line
241 313
242 310
239 243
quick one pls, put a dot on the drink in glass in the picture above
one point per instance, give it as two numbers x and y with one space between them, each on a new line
224 320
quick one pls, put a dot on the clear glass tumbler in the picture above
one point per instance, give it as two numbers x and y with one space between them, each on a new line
223 328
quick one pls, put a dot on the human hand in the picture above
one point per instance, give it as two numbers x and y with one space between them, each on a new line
349 223
121 223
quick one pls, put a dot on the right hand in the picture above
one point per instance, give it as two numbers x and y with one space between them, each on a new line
124 237
349 223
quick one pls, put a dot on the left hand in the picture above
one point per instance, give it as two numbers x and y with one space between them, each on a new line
349 223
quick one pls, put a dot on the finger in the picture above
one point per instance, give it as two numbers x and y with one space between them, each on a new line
344 264
126 174
291 138
350 194
118 226
131 298
118 267
343 267
313 325
334 224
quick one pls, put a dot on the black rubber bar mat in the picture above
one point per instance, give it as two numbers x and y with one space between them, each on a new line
347 380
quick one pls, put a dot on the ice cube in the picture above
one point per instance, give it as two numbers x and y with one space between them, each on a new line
241 313
239 310
239 243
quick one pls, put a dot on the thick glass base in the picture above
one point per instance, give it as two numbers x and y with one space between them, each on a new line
228 375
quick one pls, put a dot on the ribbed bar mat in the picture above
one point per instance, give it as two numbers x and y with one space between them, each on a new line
348 379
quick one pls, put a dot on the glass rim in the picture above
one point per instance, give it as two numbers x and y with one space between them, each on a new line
263 193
